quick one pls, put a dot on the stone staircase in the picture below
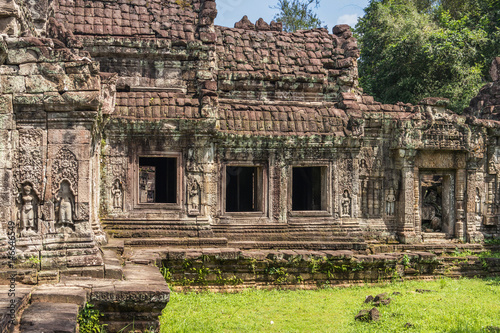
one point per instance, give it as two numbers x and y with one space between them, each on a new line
142 228
437 237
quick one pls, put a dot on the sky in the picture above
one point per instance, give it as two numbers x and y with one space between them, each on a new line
331 12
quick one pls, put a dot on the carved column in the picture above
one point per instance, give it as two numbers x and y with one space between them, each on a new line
473 216
460 205
407 203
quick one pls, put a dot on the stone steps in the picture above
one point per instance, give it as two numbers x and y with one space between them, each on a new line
49 318
175 242
12 311
298 245
436 237
53 309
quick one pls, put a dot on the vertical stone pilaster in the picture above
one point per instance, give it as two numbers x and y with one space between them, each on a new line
460 205
408 203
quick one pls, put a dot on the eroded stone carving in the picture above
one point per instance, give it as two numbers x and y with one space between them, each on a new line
194 190
28 163
346 204
117 194
478 202
65 166
65 204
390 202
28 215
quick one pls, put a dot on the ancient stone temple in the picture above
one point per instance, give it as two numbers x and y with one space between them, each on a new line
142 121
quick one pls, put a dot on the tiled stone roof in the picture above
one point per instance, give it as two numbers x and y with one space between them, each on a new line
160 18
155 105
281 119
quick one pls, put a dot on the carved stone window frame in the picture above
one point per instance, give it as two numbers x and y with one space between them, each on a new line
179 186
326 192
264 181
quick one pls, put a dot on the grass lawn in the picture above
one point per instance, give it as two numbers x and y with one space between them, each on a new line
465 305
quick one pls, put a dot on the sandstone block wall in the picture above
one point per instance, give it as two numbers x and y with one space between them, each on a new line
93 87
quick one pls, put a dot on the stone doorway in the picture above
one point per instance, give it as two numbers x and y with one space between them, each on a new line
437 208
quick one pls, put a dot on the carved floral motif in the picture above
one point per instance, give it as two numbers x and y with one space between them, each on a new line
65 166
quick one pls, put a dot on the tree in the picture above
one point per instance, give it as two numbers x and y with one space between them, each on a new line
421 48
297 15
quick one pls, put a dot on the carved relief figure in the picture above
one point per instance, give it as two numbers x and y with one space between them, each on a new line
478 202
117 193
29 205
194 196
65 200
390 202
346 204
362 164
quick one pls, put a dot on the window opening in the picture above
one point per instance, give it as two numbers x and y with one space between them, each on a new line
157 180
243 189
307 191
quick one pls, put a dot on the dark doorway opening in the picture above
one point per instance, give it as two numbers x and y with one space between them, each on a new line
157 180
243 189
432 202
307 188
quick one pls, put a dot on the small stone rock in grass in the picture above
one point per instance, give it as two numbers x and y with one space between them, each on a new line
368 299
380 297
383 302
421 291
492 329
368 315
375 315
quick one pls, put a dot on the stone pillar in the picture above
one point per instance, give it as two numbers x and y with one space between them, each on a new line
473 220
6 154
460 205
407 200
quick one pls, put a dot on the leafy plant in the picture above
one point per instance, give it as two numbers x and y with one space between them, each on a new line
88 320
297 15
416 49
167 274
405 261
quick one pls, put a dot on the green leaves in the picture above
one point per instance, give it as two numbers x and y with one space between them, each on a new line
297 15
88 320
423 48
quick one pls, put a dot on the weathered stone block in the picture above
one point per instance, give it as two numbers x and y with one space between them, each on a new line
12 84
40 84
21 56
6 104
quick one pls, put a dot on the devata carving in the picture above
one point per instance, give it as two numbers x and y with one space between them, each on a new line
478 202
28 215
65 204
117 194
390 202
65 166
193 196
346 204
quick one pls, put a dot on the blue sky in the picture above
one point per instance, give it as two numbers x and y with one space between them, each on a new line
331 12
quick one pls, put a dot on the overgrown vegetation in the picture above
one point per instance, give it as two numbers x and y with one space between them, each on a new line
427 48
88 320
465 305
297 14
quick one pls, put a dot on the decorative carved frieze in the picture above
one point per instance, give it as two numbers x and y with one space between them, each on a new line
28 159
65 166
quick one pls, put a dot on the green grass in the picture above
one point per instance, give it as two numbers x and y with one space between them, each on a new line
465 305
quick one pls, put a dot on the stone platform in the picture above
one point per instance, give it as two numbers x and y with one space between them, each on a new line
128 304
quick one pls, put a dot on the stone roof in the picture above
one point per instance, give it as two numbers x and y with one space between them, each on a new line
155 105
155 18
281 119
